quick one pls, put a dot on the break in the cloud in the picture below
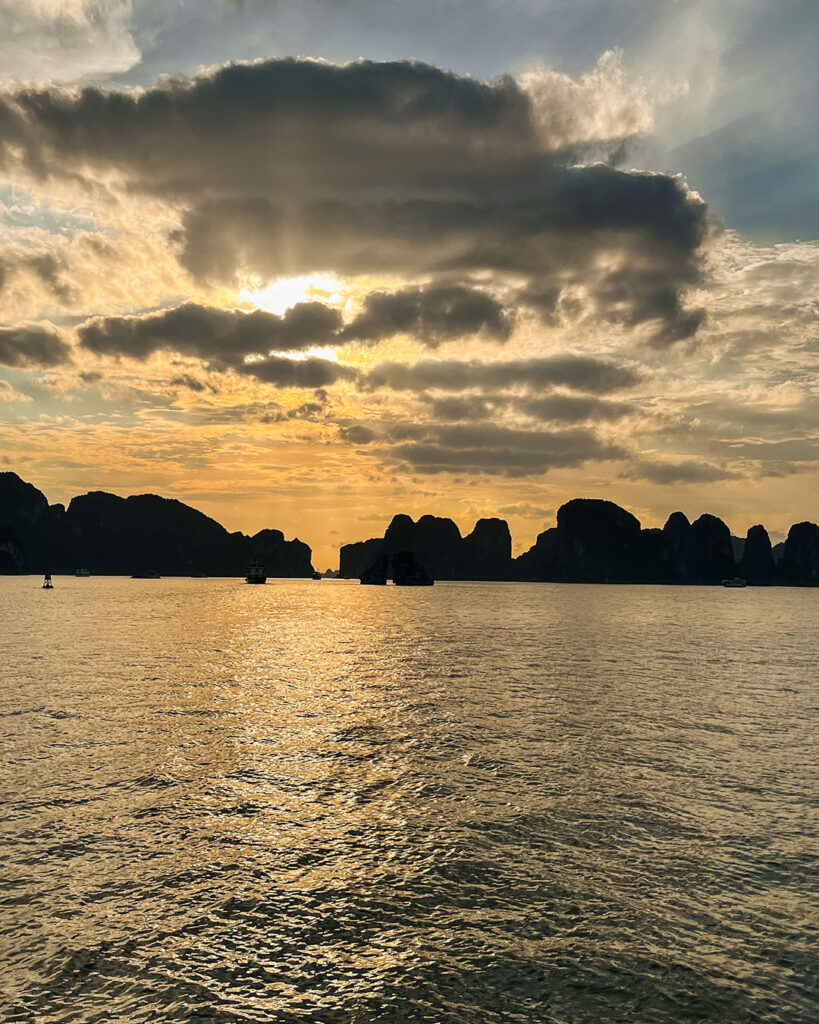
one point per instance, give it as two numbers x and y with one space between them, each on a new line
286 167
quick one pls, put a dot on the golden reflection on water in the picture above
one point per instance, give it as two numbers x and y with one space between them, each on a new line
315 801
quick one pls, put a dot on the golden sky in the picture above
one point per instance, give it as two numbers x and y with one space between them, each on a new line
310 295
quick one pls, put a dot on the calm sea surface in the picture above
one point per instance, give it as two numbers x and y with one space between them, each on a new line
471 803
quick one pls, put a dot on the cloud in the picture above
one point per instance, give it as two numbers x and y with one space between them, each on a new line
48 268
555 408
601 106
65 40
492 449
221 335
432 313
9 394
686 471
297 373
792 450
34 346
287 167
583 373
575 408
357 434
226 336
527 510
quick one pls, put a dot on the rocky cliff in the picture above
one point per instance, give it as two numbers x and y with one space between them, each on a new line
114 535
597 541
437 544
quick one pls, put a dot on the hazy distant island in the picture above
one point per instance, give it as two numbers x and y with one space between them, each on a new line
594 541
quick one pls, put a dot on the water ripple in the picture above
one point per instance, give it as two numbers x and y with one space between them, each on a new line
476 803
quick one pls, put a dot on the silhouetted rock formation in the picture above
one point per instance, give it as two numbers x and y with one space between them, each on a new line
12 559
485 554
677 550
594 542
597 541
119 536
756 564
713 553
408 572
355 559
800 563
376 575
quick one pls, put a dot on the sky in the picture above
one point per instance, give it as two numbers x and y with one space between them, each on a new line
306 264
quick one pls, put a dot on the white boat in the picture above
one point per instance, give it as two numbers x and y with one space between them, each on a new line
255 573
83 571
736 581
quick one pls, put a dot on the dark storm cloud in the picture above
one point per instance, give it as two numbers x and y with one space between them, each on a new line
496 450
582 373
433 314
295 166
223 336
32 347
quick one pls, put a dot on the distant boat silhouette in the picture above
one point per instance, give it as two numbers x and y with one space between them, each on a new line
83 571
255 573
736 581
47 584
146 574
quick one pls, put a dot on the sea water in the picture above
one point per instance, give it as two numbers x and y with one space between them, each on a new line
314 801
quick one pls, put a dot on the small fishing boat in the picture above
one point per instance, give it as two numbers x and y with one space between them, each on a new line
255 573
146 574
83 571
47 584
735 582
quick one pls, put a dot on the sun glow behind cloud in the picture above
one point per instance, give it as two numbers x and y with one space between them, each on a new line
193 332
280 295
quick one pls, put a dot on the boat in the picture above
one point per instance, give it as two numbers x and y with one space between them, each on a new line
255 573
83 571
47 584
736 582
146 574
